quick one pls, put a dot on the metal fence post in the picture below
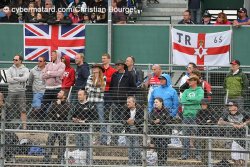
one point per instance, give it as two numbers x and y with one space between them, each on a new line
209 153
2 137
247 147
109 42
91 145
67 150
145 138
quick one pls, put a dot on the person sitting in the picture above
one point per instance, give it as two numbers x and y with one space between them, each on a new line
83 113
58 112
9 17
222 19
242 19
160 116
60 19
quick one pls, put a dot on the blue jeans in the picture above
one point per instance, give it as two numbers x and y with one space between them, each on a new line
189 131
83 143
37 100
100 111
134 153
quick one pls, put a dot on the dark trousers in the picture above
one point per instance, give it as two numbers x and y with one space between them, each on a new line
51 141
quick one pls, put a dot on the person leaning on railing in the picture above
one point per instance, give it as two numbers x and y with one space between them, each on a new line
158 118
238 120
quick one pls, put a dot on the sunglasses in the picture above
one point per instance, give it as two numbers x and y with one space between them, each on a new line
15 60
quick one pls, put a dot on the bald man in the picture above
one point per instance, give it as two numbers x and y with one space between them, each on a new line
153 79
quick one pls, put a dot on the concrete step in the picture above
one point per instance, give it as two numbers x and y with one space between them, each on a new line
162 9
165 13
167 5
172 1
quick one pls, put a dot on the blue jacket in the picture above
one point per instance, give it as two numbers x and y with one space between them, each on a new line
168 94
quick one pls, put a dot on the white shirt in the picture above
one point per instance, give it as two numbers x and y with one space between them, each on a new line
236 72
132 113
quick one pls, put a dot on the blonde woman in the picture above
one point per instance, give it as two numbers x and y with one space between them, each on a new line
95 88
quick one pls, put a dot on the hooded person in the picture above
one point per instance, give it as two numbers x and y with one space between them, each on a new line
52 75
68 79
167 93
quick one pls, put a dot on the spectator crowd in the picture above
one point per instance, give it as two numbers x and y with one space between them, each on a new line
62 93
65 11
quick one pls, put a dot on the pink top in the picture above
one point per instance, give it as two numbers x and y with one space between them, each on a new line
227 23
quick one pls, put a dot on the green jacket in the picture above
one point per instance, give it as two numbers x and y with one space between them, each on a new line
236 84
190 100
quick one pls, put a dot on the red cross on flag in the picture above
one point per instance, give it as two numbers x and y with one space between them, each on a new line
209 49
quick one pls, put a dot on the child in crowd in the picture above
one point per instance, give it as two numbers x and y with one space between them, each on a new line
152 157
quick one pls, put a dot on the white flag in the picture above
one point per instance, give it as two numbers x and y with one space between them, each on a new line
212 49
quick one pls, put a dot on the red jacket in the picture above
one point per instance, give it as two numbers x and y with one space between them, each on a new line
69 75
108 73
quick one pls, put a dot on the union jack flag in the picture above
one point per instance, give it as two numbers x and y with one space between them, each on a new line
41 40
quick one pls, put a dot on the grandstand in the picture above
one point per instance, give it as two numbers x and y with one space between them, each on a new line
56 136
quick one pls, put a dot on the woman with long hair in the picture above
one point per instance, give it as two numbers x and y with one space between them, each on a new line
222 19
159 117
95 88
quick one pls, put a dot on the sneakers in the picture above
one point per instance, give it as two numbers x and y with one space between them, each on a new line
182 158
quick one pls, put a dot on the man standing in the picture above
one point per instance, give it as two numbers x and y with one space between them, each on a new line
37 83
82 71
122 85
236 84
195 7
17 75
138 74
186 18
153 79
52 75
191 99
109 71
167 93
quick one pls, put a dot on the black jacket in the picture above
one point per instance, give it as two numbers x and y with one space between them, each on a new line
139 118
121 88
165 118
59 112
183 22
65 21
204 115
12 19
138 75
82 75
84 112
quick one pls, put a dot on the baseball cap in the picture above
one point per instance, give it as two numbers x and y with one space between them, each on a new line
243 10
206 14
232 103
234 62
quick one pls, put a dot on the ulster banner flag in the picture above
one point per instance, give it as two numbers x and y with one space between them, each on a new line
210 49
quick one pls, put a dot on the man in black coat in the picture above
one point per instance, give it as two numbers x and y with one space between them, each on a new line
122 85
133 118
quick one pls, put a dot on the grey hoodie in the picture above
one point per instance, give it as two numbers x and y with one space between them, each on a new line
36 81
17 78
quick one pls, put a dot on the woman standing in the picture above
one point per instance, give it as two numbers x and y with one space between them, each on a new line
95 88
159 117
